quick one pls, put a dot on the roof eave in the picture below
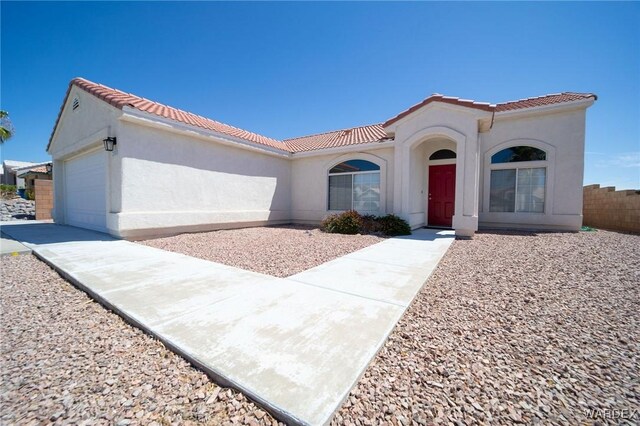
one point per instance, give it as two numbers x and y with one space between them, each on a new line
439 99
55 126
366 146
73 83
136 116
547 109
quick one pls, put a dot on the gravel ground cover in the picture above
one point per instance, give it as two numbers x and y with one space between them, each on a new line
278 251
510 328
17 209
514 328
67 360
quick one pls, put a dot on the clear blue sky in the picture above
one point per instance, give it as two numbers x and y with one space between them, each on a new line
290 69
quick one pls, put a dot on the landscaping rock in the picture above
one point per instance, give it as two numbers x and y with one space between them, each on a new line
279 251
17 209
68 360
514 328
511 328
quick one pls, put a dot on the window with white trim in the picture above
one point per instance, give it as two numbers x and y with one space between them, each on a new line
519 189
354 185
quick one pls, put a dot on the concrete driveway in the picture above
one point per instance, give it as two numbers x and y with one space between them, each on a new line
295 345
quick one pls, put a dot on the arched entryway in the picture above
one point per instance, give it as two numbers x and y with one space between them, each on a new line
411 175
441 192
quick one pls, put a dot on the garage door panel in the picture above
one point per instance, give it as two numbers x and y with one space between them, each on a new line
85 191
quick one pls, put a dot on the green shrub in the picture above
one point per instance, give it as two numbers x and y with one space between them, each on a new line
370 224
30 194
394 225
328 223
7 190
352 222
349 222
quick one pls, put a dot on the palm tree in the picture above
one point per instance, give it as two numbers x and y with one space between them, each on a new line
6 128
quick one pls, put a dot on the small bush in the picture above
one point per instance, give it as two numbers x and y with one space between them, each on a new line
348 222
7 191
30 194
328 223
352 222
370 224
394 225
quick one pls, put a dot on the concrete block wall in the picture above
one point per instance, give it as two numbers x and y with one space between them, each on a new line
607 208
44 198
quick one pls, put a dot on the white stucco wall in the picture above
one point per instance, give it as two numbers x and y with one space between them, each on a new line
174 183
310 182
80 131
561 135
437 121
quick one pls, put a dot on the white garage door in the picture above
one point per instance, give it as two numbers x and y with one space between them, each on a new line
85 191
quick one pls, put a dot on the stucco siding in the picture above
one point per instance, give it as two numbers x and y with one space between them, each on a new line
309 182
413 134
80 131
562 136
84 127
171 181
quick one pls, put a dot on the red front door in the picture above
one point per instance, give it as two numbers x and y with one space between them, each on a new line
442 194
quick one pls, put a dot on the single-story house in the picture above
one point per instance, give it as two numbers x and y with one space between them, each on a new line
31 173
136 168
10 170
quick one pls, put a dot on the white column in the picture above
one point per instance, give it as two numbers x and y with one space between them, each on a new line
397 180
465 220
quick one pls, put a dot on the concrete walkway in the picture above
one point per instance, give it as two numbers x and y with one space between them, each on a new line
295 345
10 247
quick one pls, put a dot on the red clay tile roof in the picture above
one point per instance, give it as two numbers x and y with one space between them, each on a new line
38 169
555 98
336 138
440 98
120 99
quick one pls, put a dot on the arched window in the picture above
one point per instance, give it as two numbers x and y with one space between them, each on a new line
518 187
354 185
518 153
443 154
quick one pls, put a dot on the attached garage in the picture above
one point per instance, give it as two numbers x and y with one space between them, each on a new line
85 201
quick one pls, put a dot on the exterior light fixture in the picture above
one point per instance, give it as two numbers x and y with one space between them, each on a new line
49 168
109 143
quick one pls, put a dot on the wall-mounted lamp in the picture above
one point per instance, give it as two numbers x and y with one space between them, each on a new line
109 143
49 168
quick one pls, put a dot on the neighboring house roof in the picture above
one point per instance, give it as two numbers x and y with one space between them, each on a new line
35 170
15 165
555 98
120 99
30 166
354 136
